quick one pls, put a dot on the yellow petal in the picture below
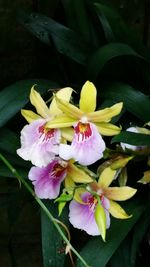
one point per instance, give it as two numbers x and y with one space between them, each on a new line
120 162
146 178
143 130
67 133
119 193
106 177
29 115
108 129
38 102
77 195
78 175
65 94
117 211
60 122
69 185
88 97
100 218
105 114
69 109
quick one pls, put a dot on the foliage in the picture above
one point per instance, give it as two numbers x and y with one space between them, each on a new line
89 41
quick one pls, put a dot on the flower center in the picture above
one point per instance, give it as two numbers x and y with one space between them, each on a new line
58 170
48 133
83 131
92 201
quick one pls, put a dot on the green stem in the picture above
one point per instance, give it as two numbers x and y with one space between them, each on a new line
47 212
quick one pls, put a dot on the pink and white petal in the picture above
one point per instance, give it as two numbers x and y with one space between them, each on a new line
81 216
89 149
38 147
47 180
65 152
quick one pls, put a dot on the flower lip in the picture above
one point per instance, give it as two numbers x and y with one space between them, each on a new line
83 131
48 133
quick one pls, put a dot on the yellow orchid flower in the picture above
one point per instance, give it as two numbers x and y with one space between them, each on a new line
87 145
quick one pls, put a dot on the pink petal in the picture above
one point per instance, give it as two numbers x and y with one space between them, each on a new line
87 147
82 216
38 146
47 180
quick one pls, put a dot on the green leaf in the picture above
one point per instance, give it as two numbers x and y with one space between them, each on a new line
5 172
15 96
134 101
139 231
135 139
49 31
52 245
121 257
9 141
115 28
63 198
108 53
101 252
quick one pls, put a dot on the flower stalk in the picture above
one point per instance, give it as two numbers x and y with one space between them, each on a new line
44 208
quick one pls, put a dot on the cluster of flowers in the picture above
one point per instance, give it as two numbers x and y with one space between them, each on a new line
61 141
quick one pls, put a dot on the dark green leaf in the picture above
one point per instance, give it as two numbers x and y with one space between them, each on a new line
138 234
15 96
9 141
121 257
134 101
135 139
47 30
107 53
52 244
101 252
5 172
115 28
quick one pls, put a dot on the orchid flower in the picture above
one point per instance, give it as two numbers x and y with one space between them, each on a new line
39 144
87 146
92 216
47 180
135 130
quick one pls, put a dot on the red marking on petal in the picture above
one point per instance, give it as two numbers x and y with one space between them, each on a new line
57 170
48 133
92 202
83 130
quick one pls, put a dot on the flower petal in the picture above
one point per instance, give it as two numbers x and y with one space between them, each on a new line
119 193
81 215
146 178
29 115
69 185
60 122
65 94
38 102
105 114
117 211
108 129
100 218
86 148
67 133
47 180
69 109
106 177
88 97
37 145
78 175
